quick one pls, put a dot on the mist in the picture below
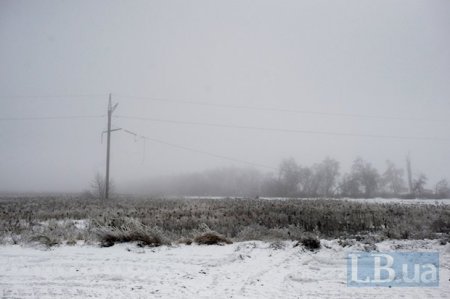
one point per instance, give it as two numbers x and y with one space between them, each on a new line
207 85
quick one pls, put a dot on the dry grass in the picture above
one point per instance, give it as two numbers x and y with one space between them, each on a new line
45 240
211 238
164 220
130 230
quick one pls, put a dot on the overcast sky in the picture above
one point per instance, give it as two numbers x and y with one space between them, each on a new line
388 59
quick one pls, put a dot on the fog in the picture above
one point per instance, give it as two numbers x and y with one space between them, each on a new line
220 84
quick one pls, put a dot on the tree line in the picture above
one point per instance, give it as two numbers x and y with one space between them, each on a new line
323 179
362 181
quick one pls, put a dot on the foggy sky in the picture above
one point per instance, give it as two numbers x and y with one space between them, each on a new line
376 58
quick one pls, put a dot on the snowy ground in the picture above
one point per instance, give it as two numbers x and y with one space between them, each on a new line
416 201
241 270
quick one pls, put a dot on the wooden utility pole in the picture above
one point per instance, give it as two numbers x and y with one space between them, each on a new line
111 109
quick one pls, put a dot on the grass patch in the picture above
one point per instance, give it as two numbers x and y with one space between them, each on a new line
160 221
131 230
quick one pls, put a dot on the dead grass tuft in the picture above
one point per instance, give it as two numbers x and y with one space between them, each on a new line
130 231
211 238
310 242
45 240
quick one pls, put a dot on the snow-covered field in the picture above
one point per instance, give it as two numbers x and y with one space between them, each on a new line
241 270
416 201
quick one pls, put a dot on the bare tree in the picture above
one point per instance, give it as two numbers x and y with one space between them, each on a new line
349 186
325 176
418 185
442 189
363 180
289 177
98 186
392 179
318 180
306 184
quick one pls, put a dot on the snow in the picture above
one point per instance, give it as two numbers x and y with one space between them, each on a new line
241 270
416 201
80 224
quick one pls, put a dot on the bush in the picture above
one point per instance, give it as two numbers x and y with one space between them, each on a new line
71 242
444 239
310 242
130 231
211 238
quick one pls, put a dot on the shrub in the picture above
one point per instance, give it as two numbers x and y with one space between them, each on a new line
130 231
444 239
143 238
71 242
211 238
310 242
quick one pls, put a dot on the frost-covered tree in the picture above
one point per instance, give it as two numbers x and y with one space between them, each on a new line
98 186
306 186
318 180
367 176
349 186
419 184
363 180
392 179
289 177
442 189
325 177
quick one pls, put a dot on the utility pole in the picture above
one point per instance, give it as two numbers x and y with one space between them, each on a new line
111 109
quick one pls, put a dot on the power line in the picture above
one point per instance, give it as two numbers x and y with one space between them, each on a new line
66 96
50 117
198 151
230 106
328 133
286 110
